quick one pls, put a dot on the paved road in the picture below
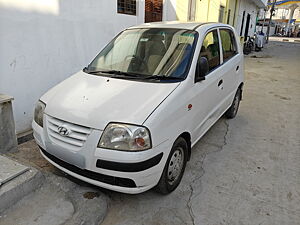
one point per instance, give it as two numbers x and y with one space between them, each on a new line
243 171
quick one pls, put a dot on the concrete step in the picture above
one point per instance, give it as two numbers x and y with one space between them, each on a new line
58 201
16 181
40 207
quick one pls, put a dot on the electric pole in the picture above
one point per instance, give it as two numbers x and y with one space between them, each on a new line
263 25
271 15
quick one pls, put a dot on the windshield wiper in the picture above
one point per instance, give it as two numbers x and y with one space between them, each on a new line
154 77
122 74
115 72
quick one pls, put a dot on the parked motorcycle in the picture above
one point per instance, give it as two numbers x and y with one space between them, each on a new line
260 40
248 45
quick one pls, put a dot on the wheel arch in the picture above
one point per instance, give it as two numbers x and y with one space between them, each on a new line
241 88
187 137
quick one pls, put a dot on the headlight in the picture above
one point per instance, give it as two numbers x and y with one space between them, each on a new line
39 112
125 137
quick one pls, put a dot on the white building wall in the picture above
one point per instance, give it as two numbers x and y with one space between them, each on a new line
169 10
279 14
251 8
265 29
260 3
42 42
284 13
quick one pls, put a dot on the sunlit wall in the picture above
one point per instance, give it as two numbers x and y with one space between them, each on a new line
42 42
207 10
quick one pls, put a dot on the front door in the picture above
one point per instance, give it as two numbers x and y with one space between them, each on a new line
153 10
207 93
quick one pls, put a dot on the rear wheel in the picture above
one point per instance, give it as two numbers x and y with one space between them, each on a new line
257 49
174 168
232 111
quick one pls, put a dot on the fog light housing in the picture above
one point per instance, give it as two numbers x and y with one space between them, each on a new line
39 112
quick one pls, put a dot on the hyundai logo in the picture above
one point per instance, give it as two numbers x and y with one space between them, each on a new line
63 131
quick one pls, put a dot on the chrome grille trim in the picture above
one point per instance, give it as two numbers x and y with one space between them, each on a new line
66 139
72 126
76 138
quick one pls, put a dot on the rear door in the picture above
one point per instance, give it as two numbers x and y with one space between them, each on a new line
231 66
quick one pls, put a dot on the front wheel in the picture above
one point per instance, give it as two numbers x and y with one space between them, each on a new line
174 168
232 111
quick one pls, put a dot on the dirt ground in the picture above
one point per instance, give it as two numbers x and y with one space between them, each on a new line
243 171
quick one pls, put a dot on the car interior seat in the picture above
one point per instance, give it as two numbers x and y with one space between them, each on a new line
154 52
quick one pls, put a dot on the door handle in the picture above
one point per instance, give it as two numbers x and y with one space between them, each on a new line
237 68
220 82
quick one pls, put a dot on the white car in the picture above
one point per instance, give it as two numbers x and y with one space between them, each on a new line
129 120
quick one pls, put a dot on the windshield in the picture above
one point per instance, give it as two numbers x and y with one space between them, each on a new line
147 52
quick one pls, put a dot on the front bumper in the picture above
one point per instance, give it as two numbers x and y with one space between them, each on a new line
127 172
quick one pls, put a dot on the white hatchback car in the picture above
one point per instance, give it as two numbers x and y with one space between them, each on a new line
129 120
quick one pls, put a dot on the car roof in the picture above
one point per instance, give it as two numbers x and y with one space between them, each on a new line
178 25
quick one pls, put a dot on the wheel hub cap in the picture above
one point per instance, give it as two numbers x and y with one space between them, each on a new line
175 165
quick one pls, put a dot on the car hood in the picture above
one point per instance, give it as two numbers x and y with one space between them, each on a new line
94 101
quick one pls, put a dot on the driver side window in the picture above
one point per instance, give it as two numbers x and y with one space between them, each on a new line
210 49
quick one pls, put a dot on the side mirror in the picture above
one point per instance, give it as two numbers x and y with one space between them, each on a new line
201 69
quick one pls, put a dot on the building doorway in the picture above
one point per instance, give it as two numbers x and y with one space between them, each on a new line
242 25
247 26
153 10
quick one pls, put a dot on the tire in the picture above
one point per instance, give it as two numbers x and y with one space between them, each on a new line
257 49
232 111
174 168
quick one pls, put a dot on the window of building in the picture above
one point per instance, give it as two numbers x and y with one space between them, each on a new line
229 46
153 10
210 49
127 7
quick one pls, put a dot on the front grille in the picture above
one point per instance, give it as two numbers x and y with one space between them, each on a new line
77 135
117 181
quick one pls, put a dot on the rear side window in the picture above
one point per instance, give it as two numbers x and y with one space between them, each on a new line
229 46
210 49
